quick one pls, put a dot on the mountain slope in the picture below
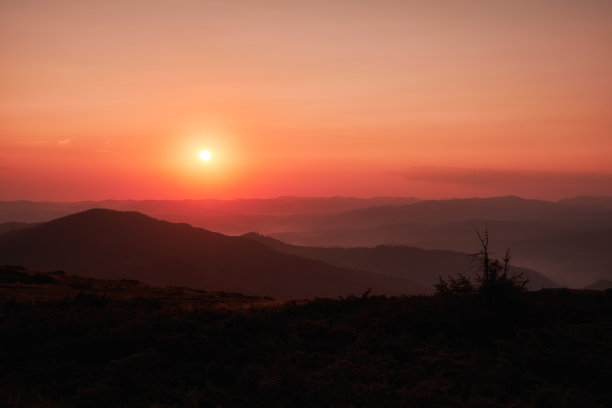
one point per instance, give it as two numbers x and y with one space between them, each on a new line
419 265
112 245
601 284
574 254
9 226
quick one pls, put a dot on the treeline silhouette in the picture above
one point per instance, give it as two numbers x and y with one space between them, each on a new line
551 348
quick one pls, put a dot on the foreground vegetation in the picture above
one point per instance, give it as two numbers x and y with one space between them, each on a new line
543 349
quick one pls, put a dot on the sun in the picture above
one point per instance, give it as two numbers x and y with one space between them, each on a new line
205 155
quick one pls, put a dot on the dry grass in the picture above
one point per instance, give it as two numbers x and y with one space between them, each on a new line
61 286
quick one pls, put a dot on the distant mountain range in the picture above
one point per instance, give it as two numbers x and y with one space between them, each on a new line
449 211
601 203
419 265
197 212
567 241
108 244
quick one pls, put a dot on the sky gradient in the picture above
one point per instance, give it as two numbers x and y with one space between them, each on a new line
439 98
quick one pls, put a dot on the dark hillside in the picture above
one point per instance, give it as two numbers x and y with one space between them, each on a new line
9 226
601 284
419 265
113 245
546 349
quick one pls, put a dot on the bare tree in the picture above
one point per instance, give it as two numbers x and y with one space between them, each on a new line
493 278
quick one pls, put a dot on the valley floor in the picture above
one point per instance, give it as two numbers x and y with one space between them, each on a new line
172 347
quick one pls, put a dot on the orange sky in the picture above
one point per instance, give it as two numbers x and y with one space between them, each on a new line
431 98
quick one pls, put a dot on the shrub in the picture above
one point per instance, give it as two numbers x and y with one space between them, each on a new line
494 283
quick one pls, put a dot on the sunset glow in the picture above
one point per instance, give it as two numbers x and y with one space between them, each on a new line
417 98
205 155
287 203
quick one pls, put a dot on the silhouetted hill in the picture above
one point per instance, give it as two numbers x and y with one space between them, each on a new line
601 284
418 265
113 245
567 241
572 254
41 211
9 226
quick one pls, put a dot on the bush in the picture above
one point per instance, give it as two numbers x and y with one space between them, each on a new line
494 284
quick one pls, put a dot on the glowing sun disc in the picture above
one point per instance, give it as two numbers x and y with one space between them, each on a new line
205 155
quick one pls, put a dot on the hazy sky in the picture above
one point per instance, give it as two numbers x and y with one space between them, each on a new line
432 98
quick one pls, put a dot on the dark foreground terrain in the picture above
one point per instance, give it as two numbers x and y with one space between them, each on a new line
78 342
